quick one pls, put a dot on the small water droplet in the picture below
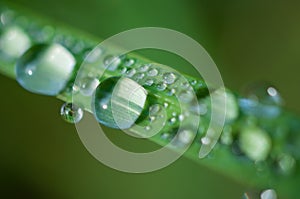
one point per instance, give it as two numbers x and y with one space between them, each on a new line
139 76
130 72
154 110
286 163
186 96
129 62
149 82
144 68
112 62
94 55
169 77
172 120
153 72
45 69
166 104
185 136
181 117
147 128
268 194
88 85
193 82
205 140
123 70
71 113
264 93
161 86
172 91
7 17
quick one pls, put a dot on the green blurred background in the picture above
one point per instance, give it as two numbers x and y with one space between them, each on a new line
43 157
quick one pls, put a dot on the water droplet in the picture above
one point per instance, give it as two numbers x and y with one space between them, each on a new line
71 113
154 110
161 86
255 143
7 17
172 120
129 62
88 85
264 93
131 72
111 62
193 82
94 55
226 137
147 128
123 70
45 69
118 102
186 96
166 104
169 78
139 76
268 194
144 68
14 42
181 117
149 82
286 163
205 140
185 136
172 91
153 72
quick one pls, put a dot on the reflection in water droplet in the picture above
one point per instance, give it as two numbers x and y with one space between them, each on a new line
152 72
169 78
172 120
71 113
88 85
268 194
205 140
118 102
161 86
45 69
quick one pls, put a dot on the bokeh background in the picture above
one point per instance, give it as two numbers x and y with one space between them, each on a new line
42 157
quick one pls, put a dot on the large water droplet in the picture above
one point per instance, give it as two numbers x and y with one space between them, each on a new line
45 69
161 86
118 102
71 113
14 42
